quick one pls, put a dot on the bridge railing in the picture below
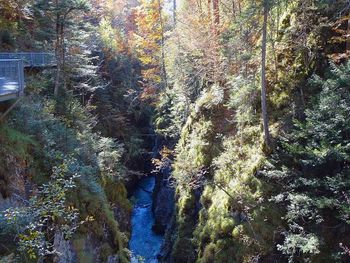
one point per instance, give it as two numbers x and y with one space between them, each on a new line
32 59
12 77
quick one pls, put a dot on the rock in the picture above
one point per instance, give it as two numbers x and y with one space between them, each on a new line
113 259
15 190
15 186
164 255
8 259
163 205
66 252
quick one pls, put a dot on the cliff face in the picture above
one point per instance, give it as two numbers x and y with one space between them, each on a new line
240 201
35 174
94 248
163 205
17 189
164 191
65 249
16 186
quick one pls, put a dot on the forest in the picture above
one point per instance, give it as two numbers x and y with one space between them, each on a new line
174 131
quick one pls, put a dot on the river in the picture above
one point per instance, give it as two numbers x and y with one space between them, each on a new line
144 243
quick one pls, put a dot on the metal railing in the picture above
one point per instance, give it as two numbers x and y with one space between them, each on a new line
12 70
11 78
32 59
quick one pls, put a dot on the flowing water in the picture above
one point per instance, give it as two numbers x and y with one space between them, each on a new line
144 243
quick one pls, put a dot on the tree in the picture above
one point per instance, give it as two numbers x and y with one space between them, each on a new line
174 12
61 14
310 167
263 76
63 10
216 12
149 45
47 212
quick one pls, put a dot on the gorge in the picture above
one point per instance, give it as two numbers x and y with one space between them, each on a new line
176 131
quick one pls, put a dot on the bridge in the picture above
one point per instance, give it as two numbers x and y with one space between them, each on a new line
12 71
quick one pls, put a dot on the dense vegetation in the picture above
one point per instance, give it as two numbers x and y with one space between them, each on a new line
252 99
67 150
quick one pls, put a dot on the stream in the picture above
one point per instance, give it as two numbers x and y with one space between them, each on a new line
144 243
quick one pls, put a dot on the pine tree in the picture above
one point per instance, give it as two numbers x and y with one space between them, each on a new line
60 15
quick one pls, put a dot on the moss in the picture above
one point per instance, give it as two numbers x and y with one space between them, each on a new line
94 204
17 147
209 253
106 251
117 194
183 249
16 143
83 254
222 229
94 201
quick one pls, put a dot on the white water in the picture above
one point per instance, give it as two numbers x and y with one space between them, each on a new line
144 243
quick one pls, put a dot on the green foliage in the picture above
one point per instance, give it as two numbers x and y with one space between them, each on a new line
110 37
97 110
108 157
13 145
47 211
295 243
235 203
14 142
183 248
116 106
199 142
171 114
311 165
244 99
238 214
106 251
298 55
96 159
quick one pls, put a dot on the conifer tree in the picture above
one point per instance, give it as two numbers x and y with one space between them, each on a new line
62 14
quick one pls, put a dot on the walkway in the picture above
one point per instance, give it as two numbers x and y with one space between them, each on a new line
32 59
12 71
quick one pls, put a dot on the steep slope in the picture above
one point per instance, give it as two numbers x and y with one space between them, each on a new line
238 200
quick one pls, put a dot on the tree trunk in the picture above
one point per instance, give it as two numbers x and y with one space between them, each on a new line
234 9
216 12
209 10
263 78
164 74
58 49
348 38
58 56
199 4
60 52
174 12
63 52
